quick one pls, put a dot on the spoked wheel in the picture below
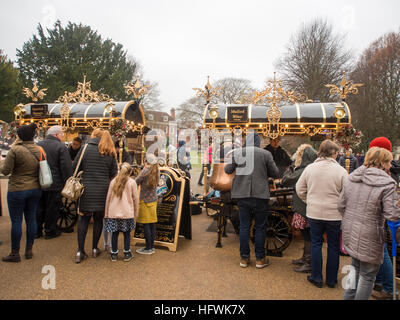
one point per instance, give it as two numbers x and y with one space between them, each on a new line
68 215
278 233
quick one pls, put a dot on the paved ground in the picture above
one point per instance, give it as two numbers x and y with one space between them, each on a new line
198 270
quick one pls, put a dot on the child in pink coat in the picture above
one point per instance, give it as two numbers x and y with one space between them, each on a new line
121 210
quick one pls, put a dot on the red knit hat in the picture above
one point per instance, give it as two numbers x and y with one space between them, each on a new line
381 142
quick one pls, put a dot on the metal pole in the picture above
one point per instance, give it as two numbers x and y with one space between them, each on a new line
205 172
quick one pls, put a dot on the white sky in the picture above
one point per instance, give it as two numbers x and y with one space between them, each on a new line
180 42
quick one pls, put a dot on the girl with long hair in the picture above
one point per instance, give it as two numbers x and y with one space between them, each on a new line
148 179
121 210
99 166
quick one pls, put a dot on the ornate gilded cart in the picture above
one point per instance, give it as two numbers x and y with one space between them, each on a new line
275 112
79 113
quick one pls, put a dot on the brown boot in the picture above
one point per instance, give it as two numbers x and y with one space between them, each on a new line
28 252
13 256
306 267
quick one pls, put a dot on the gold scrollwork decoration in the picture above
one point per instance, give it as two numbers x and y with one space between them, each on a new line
95 123
208 91
345 88
19 112
137 89
35 94
83 94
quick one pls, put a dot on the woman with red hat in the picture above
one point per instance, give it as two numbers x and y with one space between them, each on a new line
383 288
385 143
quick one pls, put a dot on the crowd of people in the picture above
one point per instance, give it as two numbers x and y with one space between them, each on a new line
110 198
327 200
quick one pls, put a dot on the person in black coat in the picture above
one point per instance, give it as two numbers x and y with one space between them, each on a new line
126 157
61 169
99 166
280 156
75 147
353 161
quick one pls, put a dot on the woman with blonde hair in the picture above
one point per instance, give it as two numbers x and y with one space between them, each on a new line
121 210
368 198
99 166
148 179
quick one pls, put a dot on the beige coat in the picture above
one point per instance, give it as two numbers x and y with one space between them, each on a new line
319 186
125 208
368 198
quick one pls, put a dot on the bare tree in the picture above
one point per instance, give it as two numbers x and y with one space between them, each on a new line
151 101
314 57
376 110
190 112
233 90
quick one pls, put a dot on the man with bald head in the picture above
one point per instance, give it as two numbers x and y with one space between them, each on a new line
60 164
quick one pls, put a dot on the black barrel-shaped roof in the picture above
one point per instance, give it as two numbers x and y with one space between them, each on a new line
128 110
303 113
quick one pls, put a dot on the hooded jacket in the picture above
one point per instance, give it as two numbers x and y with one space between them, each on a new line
367 199
252 166
291 177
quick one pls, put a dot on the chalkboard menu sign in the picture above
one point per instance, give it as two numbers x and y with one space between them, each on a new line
39 110
237 114
170 211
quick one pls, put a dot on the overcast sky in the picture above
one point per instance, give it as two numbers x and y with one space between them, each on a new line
180 42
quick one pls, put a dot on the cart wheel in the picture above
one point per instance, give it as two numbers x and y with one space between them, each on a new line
68 215
278 233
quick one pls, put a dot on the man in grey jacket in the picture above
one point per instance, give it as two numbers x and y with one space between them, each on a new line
252 166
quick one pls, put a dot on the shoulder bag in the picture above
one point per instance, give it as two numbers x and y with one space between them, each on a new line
45 176
74 188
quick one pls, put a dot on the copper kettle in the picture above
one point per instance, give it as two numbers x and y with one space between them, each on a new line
220 180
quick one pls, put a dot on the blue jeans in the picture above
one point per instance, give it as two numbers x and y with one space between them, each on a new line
332 229
259 207
365 274
385 273
23 203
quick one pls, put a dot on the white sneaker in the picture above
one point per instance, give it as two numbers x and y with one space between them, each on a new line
144 251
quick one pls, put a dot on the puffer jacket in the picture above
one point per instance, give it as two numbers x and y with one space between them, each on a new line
291 177
353 162
23 166
367 199
98 171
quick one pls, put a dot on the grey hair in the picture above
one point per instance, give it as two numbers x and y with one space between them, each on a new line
54 130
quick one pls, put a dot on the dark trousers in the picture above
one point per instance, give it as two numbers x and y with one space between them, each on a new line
83 226
259 208
202 172
149 234
48 212
332 229
23 203
127 241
